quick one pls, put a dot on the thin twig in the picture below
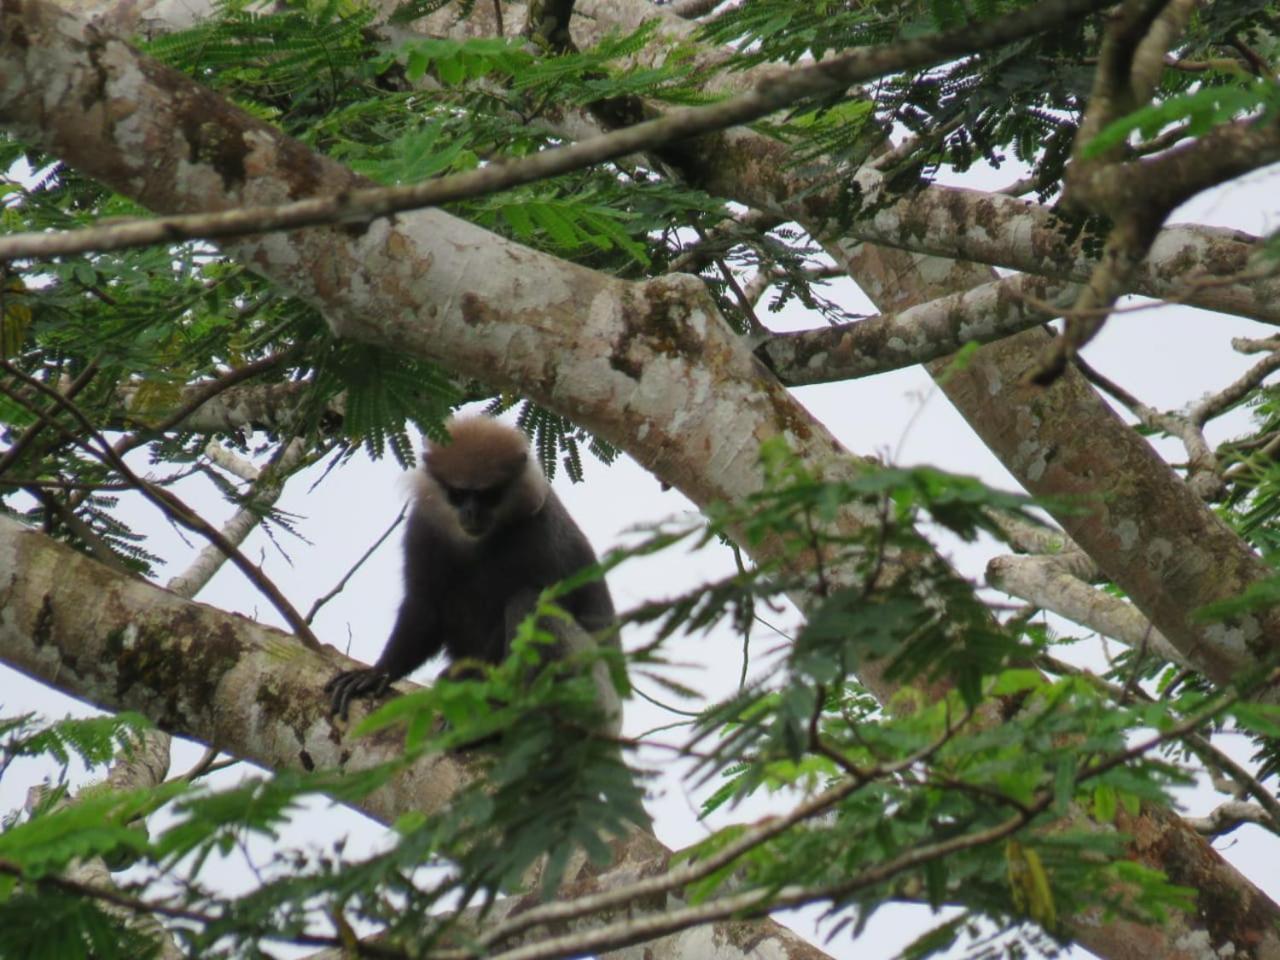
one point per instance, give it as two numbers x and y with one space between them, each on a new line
46 483
204 393
169 503
683 876
85 533
10 456
361 204
1218 404
1199 744
341 584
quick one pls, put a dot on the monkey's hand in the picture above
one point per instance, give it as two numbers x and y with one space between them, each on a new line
350 684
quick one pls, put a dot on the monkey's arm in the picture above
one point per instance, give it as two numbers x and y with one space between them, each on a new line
414 640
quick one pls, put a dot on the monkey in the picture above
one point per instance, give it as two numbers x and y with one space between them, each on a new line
486 534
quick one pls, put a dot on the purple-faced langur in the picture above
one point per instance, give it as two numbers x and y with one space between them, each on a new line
486 534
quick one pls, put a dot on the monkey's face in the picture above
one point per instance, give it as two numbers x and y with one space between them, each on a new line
477 510
483 486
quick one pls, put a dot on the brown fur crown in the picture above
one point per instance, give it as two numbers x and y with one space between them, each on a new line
481 454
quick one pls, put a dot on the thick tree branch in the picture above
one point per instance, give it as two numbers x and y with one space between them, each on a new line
270 406
692 9
1138 196
120 643
1228 816
253 691
1207 267
95 445
229 681
915 335
1046 582
593 347
1147 530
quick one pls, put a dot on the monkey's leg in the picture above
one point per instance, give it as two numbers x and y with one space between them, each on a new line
571 639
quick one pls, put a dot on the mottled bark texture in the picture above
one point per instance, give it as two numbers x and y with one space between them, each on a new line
1143 526
120 643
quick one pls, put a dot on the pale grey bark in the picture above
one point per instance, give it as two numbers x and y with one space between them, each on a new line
1046 582
253 691
121 643
1228 816
269 406
263 494
594 347
917 334
1148 531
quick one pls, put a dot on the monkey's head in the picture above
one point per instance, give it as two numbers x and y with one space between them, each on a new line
484 475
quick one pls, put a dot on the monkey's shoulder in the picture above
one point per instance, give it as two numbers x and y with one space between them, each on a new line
547 540
563 544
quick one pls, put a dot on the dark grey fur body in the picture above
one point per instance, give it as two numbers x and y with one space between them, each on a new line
467 596
486 536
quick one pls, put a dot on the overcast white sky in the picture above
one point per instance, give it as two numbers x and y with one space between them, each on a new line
1168 357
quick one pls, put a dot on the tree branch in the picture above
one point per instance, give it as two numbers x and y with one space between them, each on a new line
172 506
1044 582
915 335
363 203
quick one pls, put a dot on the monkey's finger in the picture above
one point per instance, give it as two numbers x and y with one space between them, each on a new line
338 680
338 702
350 684
340 690
342 697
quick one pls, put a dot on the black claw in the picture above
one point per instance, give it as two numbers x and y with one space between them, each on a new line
350 684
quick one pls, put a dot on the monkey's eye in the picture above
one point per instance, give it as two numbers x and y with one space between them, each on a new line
489 498
461 497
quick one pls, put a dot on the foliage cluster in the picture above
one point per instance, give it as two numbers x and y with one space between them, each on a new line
944 802
151 330
1022 102
145 326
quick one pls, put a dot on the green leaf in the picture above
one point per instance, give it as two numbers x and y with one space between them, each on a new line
936 939
1017 681
99 823
451 72
1104 803
1260 718
1200 110
556 224
518 217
